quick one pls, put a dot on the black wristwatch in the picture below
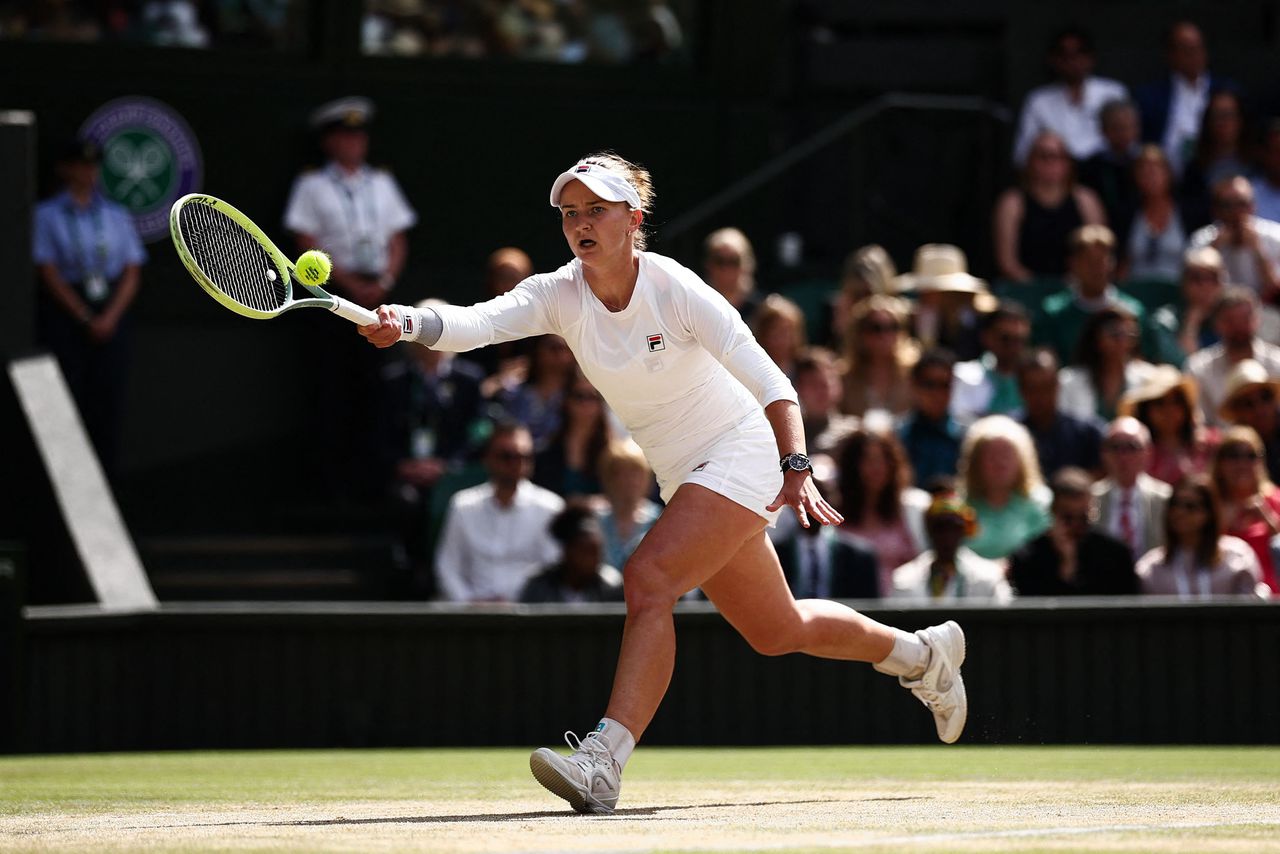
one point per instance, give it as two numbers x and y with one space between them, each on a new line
795 462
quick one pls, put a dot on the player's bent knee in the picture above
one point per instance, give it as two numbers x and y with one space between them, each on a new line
775 642
645 586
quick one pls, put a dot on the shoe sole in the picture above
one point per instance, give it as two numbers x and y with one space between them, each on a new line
963 710
546 773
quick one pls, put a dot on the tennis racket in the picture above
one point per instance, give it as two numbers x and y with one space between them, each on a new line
240 267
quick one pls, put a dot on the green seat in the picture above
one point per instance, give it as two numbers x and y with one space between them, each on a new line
1152 293
813 298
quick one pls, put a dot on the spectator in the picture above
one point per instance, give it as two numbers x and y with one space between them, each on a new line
818 563
1109 172
359 216
1187 323
930 436
778 324
1063 314
1033 220
1073 557
1000 479
949 570
505 363
879 356
629 513
1250 501
1235 319
1166 405
818 388
88 257
1130 501
581 575
1106 366
1250 401
1061 440
1069 106
355 213
730 265
1198 559
567 464
989 385
948 299
1219 155
1250 245
867 271
433 419
1172 108
879 504
496 534
1156 237
537 402
1266 185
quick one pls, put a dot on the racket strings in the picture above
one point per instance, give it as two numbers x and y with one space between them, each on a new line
231 259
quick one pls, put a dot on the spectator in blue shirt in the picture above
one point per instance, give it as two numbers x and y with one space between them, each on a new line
929 434
88 256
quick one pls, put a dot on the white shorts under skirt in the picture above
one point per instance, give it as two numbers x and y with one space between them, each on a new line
741 465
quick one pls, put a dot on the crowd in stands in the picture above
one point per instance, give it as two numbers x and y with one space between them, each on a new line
254 24
1103 418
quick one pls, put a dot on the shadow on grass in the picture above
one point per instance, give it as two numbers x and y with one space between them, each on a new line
631 813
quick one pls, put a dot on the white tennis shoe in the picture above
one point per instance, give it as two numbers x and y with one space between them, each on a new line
588 778
940 688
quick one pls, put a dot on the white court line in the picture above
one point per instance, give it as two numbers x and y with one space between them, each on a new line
1027 832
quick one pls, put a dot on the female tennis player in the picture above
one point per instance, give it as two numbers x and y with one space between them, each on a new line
713 415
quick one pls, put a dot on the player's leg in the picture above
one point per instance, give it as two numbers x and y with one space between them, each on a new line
752 594
697 534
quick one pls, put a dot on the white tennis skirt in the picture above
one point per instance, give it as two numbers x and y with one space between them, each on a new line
741 465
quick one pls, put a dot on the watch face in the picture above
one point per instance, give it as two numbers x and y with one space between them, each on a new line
798 462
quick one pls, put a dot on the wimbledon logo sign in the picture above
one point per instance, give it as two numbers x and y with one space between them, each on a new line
150 159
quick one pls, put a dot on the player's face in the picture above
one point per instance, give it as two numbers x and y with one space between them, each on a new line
595 229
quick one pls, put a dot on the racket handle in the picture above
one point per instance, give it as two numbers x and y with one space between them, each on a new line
356 314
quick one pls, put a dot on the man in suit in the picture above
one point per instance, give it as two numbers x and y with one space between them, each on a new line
1130 501
949 570
820 564
1073 558
1171 108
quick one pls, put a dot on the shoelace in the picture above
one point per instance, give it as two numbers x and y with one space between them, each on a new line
595 750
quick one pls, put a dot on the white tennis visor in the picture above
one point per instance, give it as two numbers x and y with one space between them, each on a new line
609 186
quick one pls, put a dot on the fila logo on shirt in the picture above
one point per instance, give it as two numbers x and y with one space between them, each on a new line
655 343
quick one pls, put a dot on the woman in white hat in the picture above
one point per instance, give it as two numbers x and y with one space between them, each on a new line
1180 444
1252 398
713 414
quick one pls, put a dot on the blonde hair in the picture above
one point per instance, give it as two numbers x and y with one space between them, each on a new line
1241 435
1204 258
638 177
871 266
619 453
983 432
1091 235
899 309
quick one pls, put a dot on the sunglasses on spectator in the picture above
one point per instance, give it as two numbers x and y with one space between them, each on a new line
1121 334
1187 504
1073 518
1123 447
1048 154
1232 203
724 261
512 456
1253 401
876 327
933 385
1239 454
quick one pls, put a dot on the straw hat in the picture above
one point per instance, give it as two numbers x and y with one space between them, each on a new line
1164 379
1245 376
940 267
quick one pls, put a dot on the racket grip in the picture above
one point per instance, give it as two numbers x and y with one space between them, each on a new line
356 314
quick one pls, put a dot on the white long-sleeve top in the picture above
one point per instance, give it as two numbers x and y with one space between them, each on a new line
678 365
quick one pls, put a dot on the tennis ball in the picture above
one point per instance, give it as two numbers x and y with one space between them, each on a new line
313 267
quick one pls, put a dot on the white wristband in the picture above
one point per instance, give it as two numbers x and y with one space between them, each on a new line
410 325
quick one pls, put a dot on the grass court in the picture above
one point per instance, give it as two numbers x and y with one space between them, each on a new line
816 799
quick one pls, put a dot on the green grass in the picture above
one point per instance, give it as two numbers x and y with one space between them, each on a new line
148 780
